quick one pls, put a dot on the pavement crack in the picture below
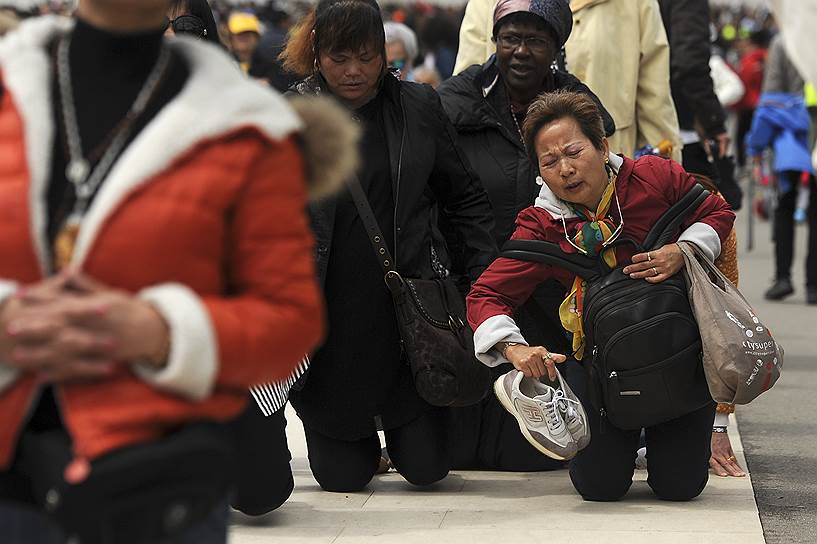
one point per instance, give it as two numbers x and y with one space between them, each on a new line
337 536
443 519
371 493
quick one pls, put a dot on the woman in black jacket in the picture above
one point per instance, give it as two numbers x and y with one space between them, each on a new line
487 105
412 173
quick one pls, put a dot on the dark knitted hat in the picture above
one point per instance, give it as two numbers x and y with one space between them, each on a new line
556 13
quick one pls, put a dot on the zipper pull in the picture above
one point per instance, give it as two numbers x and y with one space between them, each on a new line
602 420
613 375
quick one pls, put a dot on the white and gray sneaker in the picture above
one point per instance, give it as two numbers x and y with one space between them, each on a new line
536 408
573 413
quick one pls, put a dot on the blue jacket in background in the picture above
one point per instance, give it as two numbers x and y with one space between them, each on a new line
782 122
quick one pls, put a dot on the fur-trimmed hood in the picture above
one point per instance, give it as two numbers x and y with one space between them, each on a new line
329 138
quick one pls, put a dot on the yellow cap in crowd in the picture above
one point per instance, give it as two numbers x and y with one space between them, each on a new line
241 22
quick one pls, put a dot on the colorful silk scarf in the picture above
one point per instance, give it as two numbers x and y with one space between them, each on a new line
595 229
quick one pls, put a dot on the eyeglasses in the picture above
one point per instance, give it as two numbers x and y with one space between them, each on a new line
187 24
613 237
533 43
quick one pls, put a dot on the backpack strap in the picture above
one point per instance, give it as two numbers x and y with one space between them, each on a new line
666 226
540 251
589 268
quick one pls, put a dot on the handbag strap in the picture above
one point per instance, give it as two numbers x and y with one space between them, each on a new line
705 269
376 238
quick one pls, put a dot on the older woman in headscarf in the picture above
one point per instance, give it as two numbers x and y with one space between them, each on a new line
487 105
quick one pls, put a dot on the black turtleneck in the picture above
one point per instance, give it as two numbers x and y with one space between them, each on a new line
107 72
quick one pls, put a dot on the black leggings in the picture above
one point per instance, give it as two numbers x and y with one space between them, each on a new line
417 450
677 454
264 477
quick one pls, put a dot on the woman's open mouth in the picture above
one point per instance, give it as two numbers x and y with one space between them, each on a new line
521 70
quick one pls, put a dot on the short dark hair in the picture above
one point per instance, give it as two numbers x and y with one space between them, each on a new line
200 9
339 25
549 107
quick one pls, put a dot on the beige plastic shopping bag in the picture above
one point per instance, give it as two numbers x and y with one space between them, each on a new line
741 359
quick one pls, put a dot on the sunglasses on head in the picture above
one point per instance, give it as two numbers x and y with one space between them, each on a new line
187 24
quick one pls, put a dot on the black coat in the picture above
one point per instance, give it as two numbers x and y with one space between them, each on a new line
489 138
491 141
431 178
687 26
432 184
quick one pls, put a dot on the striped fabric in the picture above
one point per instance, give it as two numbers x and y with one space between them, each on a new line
271 397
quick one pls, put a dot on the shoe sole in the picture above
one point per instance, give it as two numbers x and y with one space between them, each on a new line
499 391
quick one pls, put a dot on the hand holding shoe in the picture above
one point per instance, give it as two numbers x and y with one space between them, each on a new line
534 361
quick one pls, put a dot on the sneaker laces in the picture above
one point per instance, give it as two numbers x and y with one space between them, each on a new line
551 408
566 404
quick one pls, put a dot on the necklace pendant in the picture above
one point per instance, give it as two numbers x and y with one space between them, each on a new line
65 243
77 171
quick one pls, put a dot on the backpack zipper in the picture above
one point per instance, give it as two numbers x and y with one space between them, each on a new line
639 326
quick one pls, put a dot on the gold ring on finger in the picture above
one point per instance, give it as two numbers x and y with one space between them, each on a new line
548 356
733 458
654 271
648 257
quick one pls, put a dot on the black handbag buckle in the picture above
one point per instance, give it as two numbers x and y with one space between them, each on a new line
394 281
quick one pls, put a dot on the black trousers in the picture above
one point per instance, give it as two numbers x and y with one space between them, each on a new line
264 477
678 454
486 437
744 125
418 450
784 229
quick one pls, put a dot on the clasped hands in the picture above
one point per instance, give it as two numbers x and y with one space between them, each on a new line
73 328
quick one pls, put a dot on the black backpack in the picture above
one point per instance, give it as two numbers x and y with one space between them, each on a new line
641 339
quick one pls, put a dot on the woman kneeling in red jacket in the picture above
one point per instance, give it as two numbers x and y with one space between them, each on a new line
588 199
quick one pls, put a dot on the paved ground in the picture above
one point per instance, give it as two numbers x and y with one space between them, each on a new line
779 429
481 507
779 434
